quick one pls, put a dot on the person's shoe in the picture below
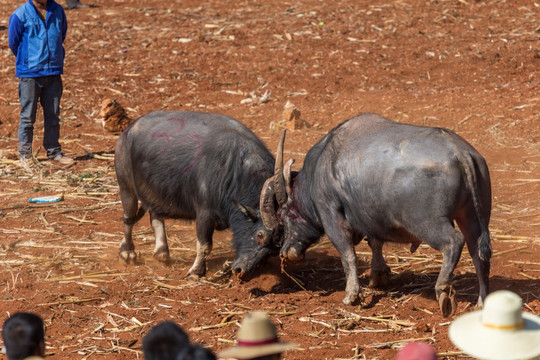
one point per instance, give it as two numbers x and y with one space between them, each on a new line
62 159
75 4
26 163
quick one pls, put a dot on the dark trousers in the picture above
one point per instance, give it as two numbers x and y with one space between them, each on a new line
48 91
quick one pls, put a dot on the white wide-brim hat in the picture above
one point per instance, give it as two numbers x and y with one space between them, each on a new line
256 337
500 331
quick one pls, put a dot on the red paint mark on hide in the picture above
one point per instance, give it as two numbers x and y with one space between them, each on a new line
195 138
170 143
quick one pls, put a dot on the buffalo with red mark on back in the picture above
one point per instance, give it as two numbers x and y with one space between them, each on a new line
195 166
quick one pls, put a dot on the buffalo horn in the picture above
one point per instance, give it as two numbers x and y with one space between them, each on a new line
287 175
279 180
268 211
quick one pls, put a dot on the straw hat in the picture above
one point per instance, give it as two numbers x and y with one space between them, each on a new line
256 337
500 331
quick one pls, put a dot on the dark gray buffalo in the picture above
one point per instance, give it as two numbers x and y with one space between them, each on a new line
189 165
375 178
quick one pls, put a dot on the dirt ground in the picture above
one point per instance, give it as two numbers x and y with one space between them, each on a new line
468 65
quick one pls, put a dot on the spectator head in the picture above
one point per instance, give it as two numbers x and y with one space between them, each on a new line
500 331
417 351
24 336
257 339
167 341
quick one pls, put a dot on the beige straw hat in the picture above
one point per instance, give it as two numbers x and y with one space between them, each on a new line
500 331
256 337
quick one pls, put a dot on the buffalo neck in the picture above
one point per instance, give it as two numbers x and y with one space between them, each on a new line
304 206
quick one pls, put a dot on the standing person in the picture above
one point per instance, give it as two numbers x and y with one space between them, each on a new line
24 337
37 31
257 339
500 331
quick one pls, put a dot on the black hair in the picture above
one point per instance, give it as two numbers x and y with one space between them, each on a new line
164 342
196 352
23 335
167 341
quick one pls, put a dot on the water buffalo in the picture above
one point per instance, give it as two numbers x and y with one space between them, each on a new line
375 178
196 166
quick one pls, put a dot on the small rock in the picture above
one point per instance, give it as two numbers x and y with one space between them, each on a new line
290 119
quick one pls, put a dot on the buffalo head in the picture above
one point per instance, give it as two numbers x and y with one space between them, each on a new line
281 208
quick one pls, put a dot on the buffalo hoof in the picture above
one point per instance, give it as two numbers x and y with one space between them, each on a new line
479 304
193 277
380 279
197 272
127 257
163 257
351 298
447 302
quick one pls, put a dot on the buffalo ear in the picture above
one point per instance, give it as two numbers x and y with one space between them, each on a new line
251 213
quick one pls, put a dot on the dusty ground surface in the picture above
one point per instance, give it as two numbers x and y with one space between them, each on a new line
471 66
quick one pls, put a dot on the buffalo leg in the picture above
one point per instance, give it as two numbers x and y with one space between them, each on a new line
348 260
380 272
161 250
205 230
341 235
451 247
130 204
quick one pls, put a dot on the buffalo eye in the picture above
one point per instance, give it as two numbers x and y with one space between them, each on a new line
261 237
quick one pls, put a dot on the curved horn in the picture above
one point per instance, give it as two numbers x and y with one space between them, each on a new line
287 175
279 180
266 204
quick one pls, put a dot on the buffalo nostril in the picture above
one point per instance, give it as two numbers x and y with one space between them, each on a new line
293 255
238 271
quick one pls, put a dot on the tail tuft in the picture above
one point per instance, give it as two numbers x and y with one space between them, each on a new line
484 246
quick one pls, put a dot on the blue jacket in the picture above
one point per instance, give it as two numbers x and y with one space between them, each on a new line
37 44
